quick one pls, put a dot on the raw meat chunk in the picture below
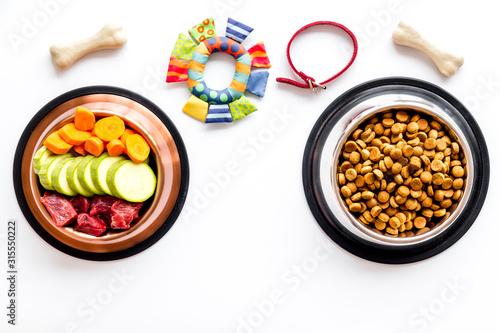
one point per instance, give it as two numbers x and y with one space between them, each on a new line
105 217
80 203
100 206
59 208
90 224
123 213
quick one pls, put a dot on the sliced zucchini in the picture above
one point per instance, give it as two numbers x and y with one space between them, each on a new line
59 179
40 156
43 172
93 171
134 182
73 179
84 175
102 170
111 174
46 178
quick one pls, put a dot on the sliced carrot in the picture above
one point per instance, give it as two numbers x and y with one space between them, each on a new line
137 148
115 147
80 149
125 134
109 128
56 144
73 135
94 145
84 119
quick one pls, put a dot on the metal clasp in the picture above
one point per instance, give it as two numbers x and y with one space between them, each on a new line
313 85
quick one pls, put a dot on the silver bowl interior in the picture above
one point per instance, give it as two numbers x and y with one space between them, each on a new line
344 127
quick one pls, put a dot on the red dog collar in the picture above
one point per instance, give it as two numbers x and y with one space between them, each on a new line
309 81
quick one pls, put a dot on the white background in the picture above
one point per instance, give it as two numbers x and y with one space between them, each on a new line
251 258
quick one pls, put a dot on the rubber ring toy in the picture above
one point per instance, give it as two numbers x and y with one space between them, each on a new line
238 85
190 56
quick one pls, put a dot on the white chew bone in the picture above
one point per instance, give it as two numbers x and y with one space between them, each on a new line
408 36
65 54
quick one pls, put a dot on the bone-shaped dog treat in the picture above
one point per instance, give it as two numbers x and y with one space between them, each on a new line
408 36
109 37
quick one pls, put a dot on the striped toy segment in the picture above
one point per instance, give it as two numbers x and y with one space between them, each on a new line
258 56
259 47
178 62
194 75
235 35
238 86
201 58
245 59
237 30
234 93
241 77
219 114
242 68
196 66
176 77
177 70
214 108
202 49
261 62
192 83
226 118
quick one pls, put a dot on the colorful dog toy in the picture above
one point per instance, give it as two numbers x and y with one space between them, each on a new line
188 60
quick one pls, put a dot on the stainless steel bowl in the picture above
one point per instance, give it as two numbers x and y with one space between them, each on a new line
335 144
325 145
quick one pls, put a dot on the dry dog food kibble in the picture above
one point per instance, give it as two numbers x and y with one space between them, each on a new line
401 172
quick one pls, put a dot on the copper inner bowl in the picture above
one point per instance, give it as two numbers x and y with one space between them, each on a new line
164 160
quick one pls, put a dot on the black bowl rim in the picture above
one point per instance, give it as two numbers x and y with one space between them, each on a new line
384 253
92 90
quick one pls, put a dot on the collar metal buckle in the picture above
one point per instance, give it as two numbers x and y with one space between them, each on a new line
313 85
